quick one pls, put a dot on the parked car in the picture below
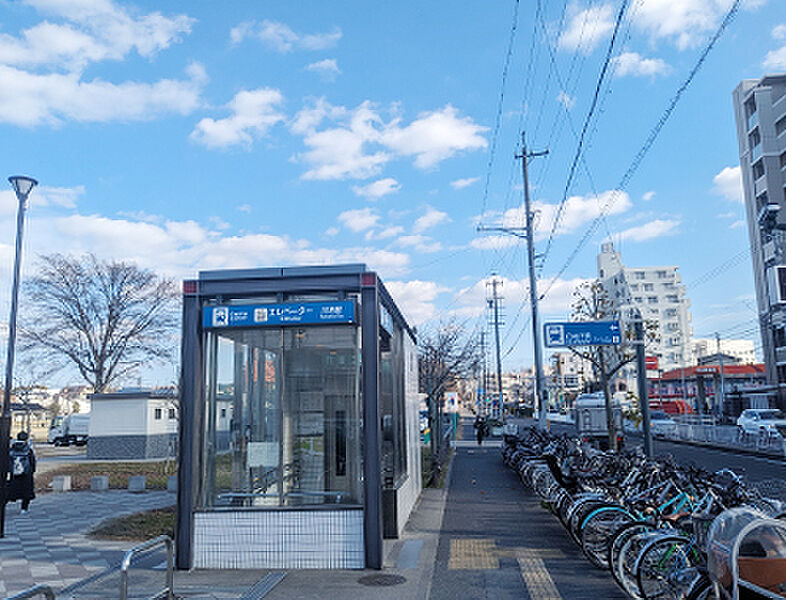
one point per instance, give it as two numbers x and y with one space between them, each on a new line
758 421
661 424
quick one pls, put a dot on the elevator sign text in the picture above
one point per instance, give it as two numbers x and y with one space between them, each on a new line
270 315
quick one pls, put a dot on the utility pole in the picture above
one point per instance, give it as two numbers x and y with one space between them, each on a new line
533 289
482 405
494 303
641 367
720 398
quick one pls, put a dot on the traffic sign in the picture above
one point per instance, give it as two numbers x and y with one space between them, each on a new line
651 363
582 333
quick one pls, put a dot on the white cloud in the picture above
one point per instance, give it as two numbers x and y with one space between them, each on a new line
577 211
246 208
648 231
416 299
327 69
728 183
331 231
632 63
358 219
377 189
647 196
685 22
28 99
390 232
472 300
432 218
566 101
281 38
587 28
420 243
434 136
779 32
494 242
775 60
94 31
253 113
362 142
460 184
737 224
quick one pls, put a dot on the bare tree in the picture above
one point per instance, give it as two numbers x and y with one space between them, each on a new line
592 303
446 353
103 317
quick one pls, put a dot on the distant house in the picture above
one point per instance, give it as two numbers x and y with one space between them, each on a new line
31 417
133 424
73 399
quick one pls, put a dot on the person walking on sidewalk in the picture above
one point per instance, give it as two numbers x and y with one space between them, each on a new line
21 467
480 428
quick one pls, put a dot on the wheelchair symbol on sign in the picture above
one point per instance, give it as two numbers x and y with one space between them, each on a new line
555 335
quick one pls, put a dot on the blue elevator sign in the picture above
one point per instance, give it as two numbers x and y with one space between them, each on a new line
271 315
582 333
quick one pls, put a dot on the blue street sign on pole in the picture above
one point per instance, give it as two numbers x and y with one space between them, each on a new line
582 333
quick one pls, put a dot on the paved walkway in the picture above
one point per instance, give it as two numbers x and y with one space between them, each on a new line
47 545
485 536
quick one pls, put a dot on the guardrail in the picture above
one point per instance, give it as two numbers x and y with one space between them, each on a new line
729 437
168 591
39 590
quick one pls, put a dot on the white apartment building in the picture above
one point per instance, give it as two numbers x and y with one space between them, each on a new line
570 372
660 296
744 350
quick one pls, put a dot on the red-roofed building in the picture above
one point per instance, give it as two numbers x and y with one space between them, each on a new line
701 382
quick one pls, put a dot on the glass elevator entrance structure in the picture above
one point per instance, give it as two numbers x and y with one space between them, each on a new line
300 444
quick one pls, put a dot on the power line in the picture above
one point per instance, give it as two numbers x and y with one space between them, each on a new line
648 143
582 136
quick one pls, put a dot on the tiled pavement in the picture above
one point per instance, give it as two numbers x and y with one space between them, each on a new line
48 544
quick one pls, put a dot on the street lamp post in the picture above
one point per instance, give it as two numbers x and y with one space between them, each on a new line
22 187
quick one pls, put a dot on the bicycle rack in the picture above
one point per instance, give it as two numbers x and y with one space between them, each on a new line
168 591
38 590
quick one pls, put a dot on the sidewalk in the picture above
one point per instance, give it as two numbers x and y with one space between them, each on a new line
485 536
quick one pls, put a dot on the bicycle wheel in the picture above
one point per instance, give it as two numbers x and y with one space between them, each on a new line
616 544
580 515
626 563
666 568
597 531
701 589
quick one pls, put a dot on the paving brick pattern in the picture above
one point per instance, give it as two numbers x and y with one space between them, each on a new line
47 545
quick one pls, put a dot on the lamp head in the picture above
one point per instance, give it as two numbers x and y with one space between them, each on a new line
22 185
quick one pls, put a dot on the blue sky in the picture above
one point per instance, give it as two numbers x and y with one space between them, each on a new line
277 133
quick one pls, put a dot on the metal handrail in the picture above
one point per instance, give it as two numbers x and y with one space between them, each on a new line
126 564
43 590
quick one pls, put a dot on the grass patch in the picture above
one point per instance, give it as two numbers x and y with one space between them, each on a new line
426 468
137 527
118 473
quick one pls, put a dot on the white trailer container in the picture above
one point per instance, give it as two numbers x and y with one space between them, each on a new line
590 418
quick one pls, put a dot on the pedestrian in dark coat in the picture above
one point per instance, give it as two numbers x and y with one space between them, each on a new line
21 467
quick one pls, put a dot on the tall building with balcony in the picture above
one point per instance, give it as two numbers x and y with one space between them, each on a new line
760 114
660 296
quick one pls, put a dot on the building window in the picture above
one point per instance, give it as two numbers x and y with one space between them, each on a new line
634 287
780 125
652 299
781 373
754 139
672 298
758 170
172 413
779 337
638 299
638 274
157 414
662 274
783 159
648 287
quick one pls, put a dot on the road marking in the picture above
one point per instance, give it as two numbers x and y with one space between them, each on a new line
472 554
539 583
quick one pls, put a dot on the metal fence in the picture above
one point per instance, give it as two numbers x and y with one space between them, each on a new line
728 436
